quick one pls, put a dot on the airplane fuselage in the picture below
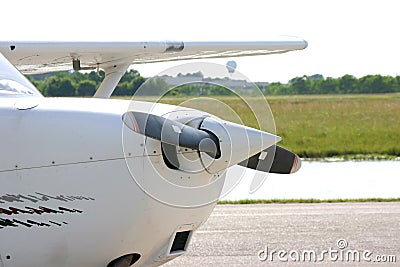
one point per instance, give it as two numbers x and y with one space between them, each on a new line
76 180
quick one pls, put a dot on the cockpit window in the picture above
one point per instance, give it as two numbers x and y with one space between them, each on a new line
14 88
13 83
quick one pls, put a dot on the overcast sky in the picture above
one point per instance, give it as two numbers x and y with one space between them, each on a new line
345 37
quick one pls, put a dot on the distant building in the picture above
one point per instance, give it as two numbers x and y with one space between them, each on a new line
198 77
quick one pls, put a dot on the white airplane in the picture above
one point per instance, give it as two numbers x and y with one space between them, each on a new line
106 182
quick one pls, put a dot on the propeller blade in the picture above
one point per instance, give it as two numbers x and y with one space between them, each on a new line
282 161
274 159
172 132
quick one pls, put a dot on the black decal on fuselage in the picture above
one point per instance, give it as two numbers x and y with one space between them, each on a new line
40 197
45 210
38 223
7 222
59 224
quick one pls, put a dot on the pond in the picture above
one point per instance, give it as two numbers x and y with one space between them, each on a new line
323 180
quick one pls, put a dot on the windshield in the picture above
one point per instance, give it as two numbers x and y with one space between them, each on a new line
13 83
13 88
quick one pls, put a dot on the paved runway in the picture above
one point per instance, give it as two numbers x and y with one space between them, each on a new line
336 232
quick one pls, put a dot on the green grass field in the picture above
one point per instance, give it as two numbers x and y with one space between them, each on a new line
349 126
339 125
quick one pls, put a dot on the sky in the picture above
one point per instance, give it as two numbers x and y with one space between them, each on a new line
344 36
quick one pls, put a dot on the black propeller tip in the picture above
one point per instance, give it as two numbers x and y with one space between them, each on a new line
274 159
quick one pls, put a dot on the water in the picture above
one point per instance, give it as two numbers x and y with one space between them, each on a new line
325 180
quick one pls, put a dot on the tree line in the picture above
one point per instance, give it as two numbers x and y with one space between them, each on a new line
348 84
85 84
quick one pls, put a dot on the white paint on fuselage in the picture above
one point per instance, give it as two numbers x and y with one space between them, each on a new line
73 148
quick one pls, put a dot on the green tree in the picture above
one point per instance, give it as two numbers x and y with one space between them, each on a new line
348 84
328 86
390 85
129 75
129 86
97 77
372 84
300 85
58 86
219 90
154 86
276 88
86 88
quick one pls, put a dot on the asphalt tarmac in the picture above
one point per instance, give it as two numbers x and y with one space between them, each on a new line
323 234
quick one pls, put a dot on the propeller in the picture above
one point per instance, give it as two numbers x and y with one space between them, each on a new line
216 138
282 161
172 132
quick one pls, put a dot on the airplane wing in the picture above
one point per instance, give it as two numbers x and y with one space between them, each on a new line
40 57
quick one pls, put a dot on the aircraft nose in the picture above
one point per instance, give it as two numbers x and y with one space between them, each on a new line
237 143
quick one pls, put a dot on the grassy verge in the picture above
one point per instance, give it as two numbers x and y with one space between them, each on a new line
319 126
310 200
341 126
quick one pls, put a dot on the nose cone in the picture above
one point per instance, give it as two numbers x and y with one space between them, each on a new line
237 143
256 140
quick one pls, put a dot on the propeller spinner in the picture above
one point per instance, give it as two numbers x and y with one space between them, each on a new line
220 142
